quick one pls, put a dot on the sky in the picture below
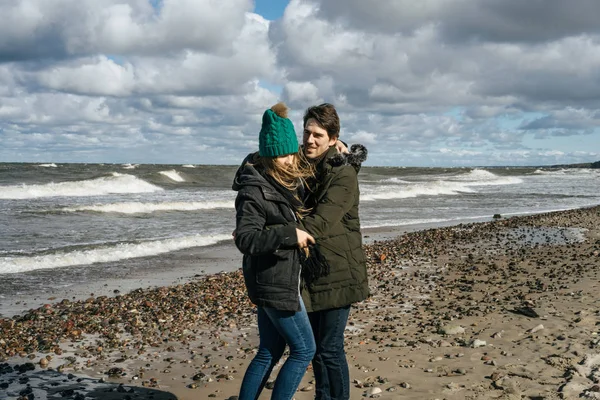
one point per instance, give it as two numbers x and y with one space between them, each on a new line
419 83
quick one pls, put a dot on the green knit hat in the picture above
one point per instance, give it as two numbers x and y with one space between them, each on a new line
277 135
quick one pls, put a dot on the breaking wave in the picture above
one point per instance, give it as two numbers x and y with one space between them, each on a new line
111 253
139 208
464 183
112 184
172 175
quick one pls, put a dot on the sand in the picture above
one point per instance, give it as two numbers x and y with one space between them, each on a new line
507 309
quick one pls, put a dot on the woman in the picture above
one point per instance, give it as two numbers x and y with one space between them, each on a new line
268 206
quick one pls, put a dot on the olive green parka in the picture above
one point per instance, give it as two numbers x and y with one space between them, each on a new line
335 225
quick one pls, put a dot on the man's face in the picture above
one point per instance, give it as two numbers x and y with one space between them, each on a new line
315 139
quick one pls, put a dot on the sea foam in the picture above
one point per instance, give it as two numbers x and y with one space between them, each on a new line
172 175
121 251
140 208
480 177
435 188
464 183
115 183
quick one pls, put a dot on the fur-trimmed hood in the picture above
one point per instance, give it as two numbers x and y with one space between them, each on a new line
357 155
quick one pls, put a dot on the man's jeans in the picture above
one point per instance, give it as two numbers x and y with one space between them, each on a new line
276 329
330 366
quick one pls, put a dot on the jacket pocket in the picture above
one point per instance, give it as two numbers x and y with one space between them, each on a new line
276 269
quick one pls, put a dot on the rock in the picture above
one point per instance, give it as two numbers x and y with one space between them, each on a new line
478 343
537 328
526 311
509 386
497 375
452 330
198 376
374 392
116 371
405 385
573 390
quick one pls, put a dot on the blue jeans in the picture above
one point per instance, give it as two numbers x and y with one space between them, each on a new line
276 329
330 365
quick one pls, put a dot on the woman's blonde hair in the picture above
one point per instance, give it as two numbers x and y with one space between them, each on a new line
291 176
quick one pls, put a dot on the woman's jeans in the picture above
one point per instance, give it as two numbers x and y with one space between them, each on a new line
330 366
276 329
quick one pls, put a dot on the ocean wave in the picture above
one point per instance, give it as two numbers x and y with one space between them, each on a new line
436 188
394 180
477 175
139 208
172 175
480 177
464 183
582 172
188 166
121 251
129 166
115 183
50 165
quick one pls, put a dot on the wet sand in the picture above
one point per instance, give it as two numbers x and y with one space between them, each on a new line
507 309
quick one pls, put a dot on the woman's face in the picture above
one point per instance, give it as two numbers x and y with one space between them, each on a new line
286 160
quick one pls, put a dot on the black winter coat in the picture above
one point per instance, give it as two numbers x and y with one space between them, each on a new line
266 236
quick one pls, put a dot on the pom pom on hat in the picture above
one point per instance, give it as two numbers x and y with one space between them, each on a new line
280 109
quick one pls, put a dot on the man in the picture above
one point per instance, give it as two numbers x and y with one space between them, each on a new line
334 223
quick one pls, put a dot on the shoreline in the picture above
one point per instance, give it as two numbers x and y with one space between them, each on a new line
447 319
180 267
188 264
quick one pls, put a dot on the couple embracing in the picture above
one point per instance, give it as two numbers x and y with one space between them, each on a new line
298 228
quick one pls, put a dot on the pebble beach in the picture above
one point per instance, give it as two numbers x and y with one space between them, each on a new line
505 309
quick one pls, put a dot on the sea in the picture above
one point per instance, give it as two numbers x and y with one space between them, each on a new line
67 225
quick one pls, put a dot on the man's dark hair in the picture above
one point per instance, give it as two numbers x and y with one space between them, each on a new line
326 116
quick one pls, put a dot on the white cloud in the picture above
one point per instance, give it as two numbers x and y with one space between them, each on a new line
50 28
366 138
427 82
301 94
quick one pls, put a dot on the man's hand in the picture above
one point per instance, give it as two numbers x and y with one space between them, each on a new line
304 238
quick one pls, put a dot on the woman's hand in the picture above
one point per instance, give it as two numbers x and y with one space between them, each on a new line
341 147
304 238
